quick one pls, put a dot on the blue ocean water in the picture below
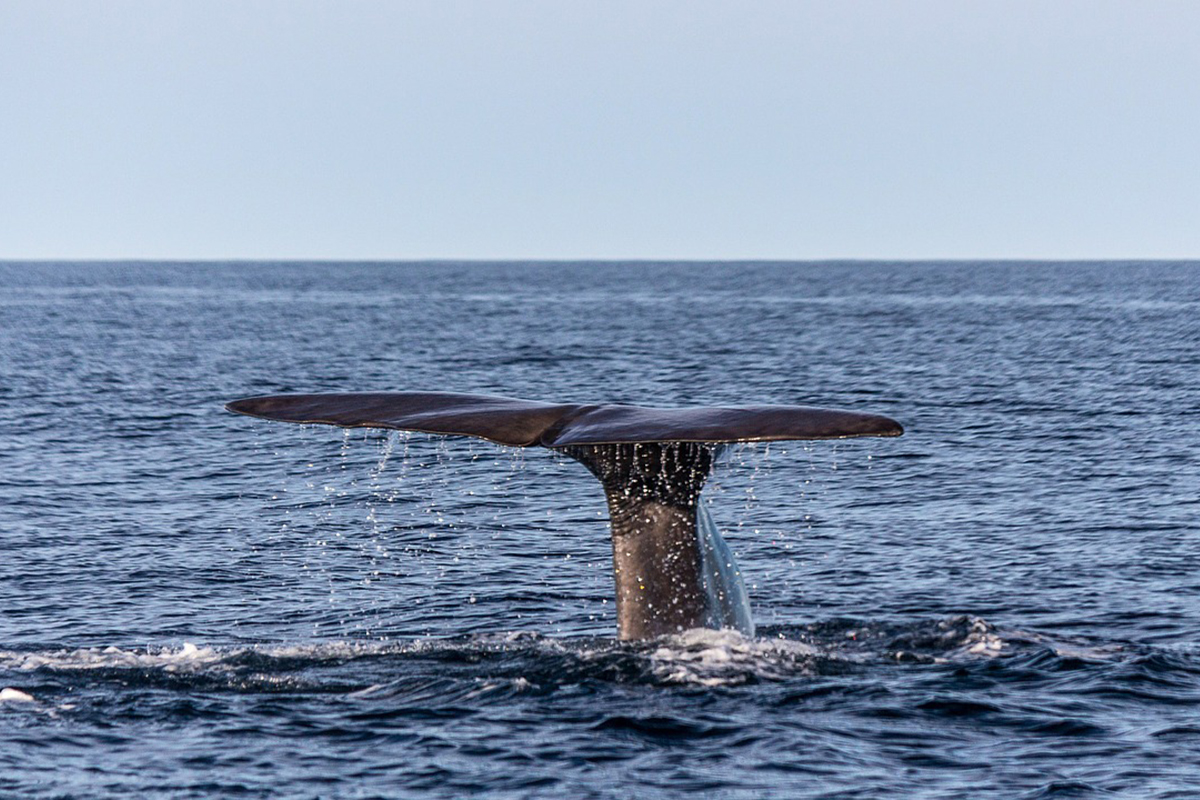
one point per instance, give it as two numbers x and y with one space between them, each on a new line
1005 602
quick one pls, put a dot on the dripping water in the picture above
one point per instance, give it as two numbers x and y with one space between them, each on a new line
728 605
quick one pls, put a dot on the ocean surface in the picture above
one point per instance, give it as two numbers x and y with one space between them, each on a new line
1005 602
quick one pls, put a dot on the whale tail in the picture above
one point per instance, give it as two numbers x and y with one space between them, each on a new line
653 494
671 568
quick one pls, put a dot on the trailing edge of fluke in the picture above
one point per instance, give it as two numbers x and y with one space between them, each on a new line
525 423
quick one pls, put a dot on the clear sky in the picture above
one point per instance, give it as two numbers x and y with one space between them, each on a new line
611 129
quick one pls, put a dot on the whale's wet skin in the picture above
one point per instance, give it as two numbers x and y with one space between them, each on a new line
1004 602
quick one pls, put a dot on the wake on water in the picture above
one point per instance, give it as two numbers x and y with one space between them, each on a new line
700 657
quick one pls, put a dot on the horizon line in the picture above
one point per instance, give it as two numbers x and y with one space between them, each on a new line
593 260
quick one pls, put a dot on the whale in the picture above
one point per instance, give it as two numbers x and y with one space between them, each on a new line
672 571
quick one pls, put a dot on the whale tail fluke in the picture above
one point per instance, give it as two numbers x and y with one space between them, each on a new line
672 569
524 423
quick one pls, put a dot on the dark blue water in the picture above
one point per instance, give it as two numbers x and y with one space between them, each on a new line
1004 603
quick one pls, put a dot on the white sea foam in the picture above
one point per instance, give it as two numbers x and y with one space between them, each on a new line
10 695
978 639
717 658
187 657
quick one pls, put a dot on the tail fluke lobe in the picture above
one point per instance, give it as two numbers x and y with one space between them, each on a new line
503 420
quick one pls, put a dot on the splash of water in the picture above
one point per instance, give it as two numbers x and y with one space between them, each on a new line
728 604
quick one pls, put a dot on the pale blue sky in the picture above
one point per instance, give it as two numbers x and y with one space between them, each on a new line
615 129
